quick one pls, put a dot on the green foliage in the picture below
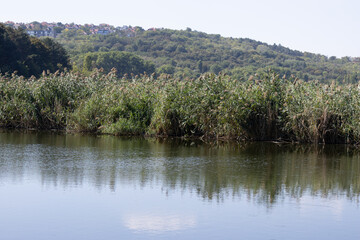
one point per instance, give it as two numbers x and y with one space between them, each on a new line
191 53
323 113
44 103
121 108
123 62
262 101
29 56
264 107
200 107
167 69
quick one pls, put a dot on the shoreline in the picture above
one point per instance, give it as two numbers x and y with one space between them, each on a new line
201 139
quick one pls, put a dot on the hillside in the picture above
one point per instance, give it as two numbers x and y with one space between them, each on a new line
189 53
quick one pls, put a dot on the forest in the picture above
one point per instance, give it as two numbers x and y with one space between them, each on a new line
188 53
180 53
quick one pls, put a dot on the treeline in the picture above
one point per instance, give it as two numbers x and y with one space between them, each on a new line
181 53
212 106
188 53
30 56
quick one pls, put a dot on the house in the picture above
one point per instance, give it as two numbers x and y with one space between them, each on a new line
42 33
103 32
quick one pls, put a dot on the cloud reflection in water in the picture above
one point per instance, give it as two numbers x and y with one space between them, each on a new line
159 223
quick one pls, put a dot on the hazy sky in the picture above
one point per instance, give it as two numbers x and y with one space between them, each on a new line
330 27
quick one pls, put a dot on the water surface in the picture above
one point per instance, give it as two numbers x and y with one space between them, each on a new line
84 187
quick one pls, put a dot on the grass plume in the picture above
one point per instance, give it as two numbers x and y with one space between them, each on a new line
264 107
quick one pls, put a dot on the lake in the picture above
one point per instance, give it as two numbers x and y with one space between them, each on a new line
55 186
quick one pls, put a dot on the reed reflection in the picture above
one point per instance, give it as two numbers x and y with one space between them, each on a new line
262 172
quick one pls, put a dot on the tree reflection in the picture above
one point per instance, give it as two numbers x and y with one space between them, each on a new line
262 172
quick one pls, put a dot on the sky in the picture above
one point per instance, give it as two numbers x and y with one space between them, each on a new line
329 27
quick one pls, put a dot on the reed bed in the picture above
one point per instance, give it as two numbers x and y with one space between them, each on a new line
261 108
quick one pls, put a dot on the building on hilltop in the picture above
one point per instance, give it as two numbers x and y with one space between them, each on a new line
103 32
41 33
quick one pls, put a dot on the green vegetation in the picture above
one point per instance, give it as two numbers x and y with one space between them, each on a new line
182 53
264 107
200 85
123 62
29 55
187 53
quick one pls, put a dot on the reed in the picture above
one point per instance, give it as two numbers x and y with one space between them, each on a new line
264 107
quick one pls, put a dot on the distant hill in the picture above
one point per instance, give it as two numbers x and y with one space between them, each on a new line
190 53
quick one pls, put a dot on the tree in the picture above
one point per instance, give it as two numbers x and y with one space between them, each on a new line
29 55
57 56
215 68
200 66
168 69
124 62
7 46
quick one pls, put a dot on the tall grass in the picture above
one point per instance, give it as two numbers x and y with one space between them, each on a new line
323 113
263 107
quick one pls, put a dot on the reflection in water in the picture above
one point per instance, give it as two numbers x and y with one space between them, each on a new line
158 223
262 172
